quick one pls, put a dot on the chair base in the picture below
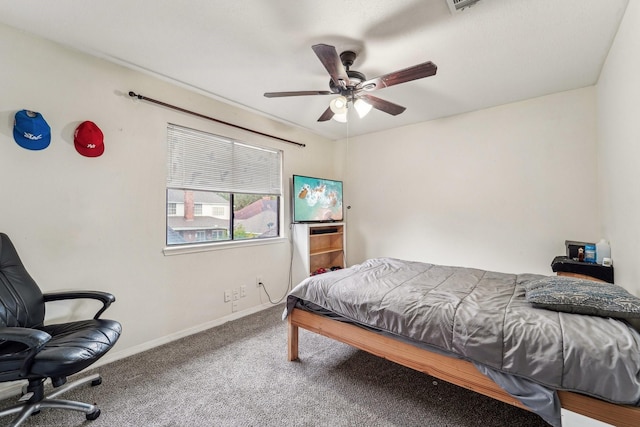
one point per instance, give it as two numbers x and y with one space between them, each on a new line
29 407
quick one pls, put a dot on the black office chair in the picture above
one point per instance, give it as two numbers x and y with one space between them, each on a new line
32 351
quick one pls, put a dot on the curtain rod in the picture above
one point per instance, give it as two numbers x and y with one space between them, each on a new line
155 101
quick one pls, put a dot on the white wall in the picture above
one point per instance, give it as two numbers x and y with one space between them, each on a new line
618 94
99 223
499 189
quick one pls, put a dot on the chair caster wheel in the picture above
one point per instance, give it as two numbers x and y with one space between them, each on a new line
93 415
96 382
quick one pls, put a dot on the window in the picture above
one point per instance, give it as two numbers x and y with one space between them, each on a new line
219 189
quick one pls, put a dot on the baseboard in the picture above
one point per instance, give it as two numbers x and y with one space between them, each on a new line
11 389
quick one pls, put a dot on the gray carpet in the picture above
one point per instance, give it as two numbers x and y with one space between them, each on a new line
237 375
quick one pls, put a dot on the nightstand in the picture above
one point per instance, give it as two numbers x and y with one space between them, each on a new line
563 266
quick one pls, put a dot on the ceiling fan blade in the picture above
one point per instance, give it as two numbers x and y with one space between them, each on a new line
331 61
297 93
327 115
382 105
416 72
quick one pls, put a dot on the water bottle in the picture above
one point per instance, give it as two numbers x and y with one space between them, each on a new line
603 250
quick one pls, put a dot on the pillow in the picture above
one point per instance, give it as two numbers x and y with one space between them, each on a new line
572 295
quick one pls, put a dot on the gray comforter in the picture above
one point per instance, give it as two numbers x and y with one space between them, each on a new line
482 316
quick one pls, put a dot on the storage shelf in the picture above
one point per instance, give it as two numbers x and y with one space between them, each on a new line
318 246
325 251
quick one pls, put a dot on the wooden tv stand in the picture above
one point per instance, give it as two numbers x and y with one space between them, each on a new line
320 245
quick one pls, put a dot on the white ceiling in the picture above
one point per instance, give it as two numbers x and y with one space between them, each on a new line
495 52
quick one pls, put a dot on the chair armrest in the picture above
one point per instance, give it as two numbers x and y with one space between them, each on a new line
34 339
105 297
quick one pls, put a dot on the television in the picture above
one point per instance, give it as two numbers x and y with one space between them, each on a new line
316 199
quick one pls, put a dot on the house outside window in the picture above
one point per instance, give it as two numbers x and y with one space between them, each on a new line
220 190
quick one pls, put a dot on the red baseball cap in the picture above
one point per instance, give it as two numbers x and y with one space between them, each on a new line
89 140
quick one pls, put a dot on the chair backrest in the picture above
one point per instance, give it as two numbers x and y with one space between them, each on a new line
21 301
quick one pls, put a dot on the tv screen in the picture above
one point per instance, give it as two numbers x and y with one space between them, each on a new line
316 199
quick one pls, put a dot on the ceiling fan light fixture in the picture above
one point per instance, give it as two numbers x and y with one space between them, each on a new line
339 105
342 117
362 107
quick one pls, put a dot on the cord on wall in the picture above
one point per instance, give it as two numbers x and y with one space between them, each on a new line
262 285
290 284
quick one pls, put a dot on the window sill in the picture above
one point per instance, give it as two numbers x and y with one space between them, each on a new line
205 247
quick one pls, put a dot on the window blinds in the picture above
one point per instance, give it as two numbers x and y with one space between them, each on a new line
203 161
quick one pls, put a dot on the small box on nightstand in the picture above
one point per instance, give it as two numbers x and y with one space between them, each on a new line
573 248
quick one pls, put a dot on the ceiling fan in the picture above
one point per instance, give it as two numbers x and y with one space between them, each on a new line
352 86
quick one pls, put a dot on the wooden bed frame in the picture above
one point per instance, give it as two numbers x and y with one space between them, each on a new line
455 371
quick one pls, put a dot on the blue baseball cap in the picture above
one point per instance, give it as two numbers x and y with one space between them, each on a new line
31 131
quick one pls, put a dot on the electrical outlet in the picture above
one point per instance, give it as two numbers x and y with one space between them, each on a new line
258 281
236 294
243 291
227 295
234 306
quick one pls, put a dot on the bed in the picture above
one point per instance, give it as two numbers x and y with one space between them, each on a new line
532 341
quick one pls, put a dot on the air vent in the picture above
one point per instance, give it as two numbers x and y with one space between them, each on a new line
456 6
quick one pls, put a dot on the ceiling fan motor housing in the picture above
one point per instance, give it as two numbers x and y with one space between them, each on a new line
355 77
